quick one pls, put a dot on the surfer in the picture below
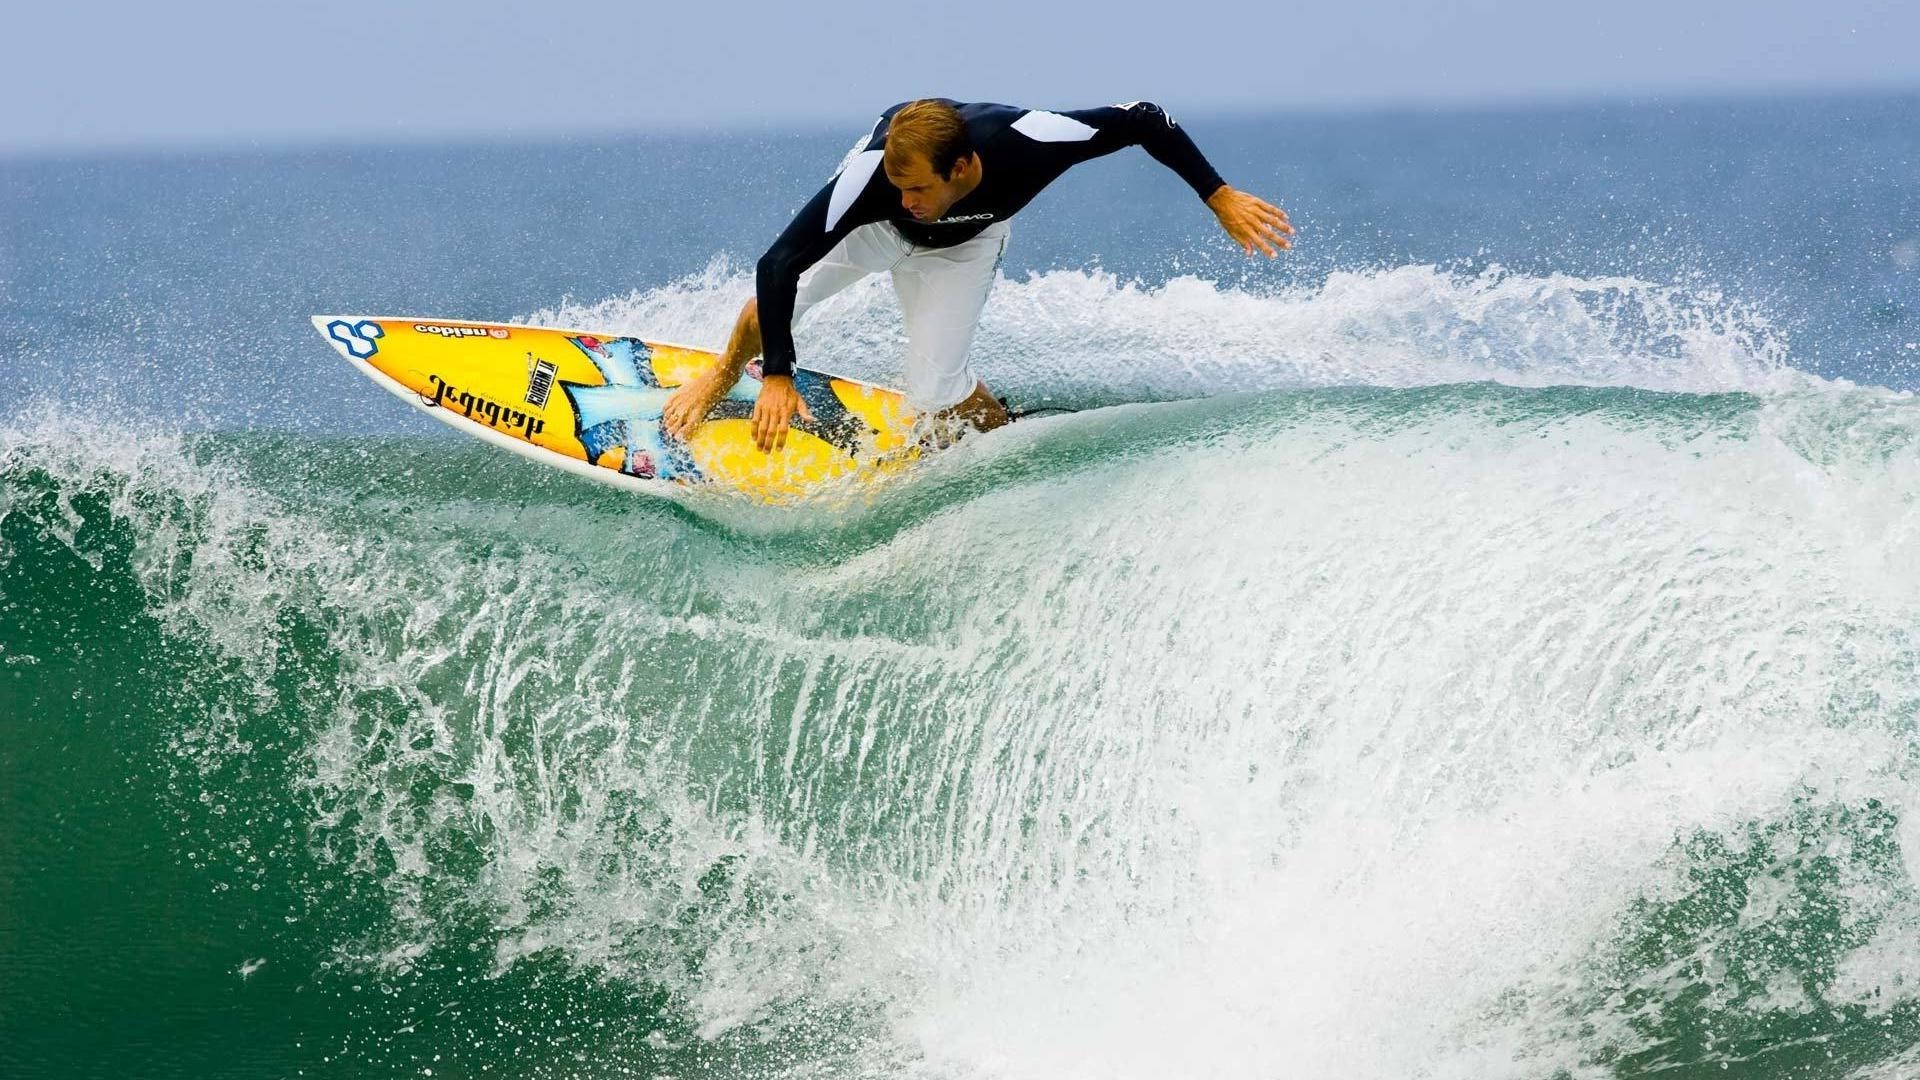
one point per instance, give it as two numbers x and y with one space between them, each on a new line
926 196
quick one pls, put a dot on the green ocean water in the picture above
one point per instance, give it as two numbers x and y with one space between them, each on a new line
1442 732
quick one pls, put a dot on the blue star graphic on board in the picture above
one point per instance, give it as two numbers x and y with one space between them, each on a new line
626 411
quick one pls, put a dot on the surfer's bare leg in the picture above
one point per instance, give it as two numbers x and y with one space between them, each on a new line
691 403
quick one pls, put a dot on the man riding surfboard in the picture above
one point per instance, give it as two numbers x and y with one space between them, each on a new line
926 196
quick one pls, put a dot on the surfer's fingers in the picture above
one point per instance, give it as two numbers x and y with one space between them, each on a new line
786 422
1250 231
682 414
763 427
1271 218
1270 233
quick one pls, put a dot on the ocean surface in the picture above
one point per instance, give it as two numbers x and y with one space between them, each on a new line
1483 643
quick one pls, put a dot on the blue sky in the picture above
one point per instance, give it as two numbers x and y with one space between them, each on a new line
85 74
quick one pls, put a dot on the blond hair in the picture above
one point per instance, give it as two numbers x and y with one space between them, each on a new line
930 129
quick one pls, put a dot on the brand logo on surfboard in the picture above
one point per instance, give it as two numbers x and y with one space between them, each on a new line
495 332
540 375
475 407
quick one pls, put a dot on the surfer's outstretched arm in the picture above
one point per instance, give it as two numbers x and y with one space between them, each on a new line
690 404
1251 221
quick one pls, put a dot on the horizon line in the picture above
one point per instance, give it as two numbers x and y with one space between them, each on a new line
820 124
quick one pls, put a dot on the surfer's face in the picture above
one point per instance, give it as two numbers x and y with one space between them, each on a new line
925 193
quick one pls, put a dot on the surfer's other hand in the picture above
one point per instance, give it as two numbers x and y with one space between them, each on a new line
687 407
1251 221
775 409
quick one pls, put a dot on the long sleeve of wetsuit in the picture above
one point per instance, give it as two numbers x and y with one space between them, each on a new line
805 241
1146 125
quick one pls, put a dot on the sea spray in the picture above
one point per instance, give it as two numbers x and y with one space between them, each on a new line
1080 338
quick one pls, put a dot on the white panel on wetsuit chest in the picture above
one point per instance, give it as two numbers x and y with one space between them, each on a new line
853 180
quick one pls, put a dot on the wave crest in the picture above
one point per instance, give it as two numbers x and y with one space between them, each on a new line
1084 338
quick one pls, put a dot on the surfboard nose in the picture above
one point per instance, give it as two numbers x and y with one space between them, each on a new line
355 337
321 322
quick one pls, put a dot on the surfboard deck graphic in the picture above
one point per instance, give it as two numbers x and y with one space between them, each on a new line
590 403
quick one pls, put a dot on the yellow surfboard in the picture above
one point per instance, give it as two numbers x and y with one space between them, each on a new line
590 403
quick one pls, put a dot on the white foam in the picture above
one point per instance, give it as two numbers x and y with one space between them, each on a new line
1082 336
1328 756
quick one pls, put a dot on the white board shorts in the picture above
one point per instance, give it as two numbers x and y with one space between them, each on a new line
941 290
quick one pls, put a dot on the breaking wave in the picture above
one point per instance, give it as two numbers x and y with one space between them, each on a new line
1512 677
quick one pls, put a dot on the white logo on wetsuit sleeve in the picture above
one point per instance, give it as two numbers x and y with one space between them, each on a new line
1052 127
1164 114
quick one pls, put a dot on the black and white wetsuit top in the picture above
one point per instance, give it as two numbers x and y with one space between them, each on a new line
1021 152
